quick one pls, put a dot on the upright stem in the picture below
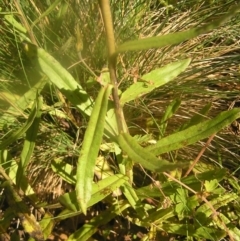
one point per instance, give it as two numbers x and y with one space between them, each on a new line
108 24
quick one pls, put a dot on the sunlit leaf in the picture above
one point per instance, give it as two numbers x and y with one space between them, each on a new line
153 80
174 38
194 133
90 148
140 155
99 191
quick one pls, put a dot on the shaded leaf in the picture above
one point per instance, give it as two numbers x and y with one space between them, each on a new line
91 227
20 104
11 137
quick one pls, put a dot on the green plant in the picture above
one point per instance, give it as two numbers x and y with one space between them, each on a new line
187 204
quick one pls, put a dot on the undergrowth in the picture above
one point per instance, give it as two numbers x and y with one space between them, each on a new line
107 139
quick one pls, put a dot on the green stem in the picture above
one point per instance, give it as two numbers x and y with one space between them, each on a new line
108 24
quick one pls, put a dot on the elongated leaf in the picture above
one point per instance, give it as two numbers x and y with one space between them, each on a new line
153 80
142 156
217 203
60 77
194 133
28 148
99 191
90 148
199 117
20 104
170 111
15 135
174 38
14 23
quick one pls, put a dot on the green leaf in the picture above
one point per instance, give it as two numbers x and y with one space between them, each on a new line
64 81
170 111
20 104
216 203
190 230
153 80
194 133
193 181
142 156
64 170
199 117
13 136
90 148
211 185
28 147
99 191
60 77
209 233
174 38
47 224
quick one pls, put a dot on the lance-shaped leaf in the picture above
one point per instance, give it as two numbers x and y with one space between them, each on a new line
194 133
13 136
174 38
154 79
19 104
99 191
90 148
59 76
63 80
169 112
142 156
28 148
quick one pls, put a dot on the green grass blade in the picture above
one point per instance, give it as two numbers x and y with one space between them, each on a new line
174 38
142 156
170 111
90 148
154 79
64 170
194 133
47 12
